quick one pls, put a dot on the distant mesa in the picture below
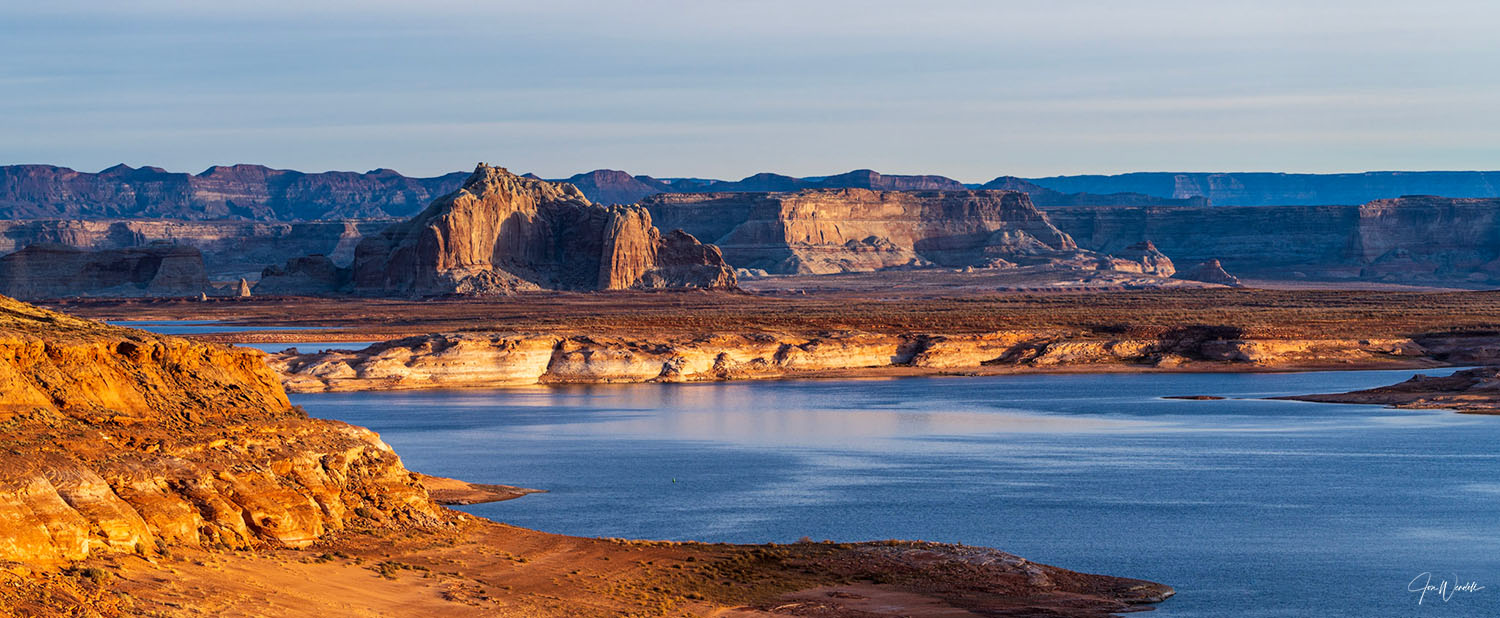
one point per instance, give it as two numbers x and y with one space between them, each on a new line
1045 197
1420 240
1281 189
824 231
250 192
259 193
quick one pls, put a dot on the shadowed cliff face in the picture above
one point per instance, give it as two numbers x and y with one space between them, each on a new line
1274 189
1417 239
231 249
221 192
844 230
502 233
57 271
122 441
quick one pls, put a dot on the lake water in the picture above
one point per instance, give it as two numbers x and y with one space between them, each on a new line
1248 507
214 327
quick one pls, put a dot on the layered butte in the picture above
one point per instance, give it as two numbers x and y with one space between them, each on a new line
502 233
1416 239
821 231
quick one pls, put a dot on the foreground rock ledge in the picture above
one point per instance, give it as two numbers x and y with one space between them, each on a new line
151 475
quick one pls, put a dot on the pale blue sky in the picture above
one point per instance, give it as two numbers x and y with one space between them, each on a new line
966 89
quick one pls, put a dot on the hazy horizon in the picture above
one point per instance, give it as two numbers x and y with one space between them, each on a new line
968 90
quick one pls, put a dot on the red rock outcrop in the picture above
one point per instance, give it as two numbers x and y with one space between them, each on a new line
58 271
502 233
118 440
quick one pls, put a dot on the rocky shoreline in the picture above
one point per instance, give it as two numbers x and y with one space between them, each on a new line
509 359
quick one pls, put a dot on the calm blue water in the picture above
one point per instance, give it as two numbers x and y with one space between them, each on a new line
1247 507
200 327
213 327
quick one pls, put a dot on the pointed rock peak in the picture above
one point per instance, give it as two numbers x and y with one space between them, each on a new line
116 169
492 179
244 288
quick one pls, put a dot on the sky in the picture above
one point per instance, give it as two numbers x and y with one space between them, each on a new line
967 89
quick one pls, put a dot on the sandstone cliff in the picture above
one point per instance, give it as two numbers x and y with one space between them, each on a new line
505 359
122 441
502 233
851 230
58 271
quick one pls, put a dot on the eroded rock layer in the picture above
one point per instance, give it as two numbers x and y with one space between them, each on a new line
1417 239
502 359
253 192
502 233
118 440
59 271
231 249
825 231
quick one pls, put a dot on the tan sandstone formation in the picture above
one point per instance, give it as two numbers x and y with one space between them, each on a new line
122 441
502 233
508 359
822 231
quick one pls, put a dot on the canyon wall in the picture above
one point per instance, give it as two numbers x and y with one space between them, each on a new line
252 192
231 249
825 231
1407 240
502 233
59 271
118 440
1277 189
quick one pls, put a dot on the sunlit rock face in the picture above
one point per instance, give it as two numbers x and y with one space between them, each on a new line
119 440
824 231
503 233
